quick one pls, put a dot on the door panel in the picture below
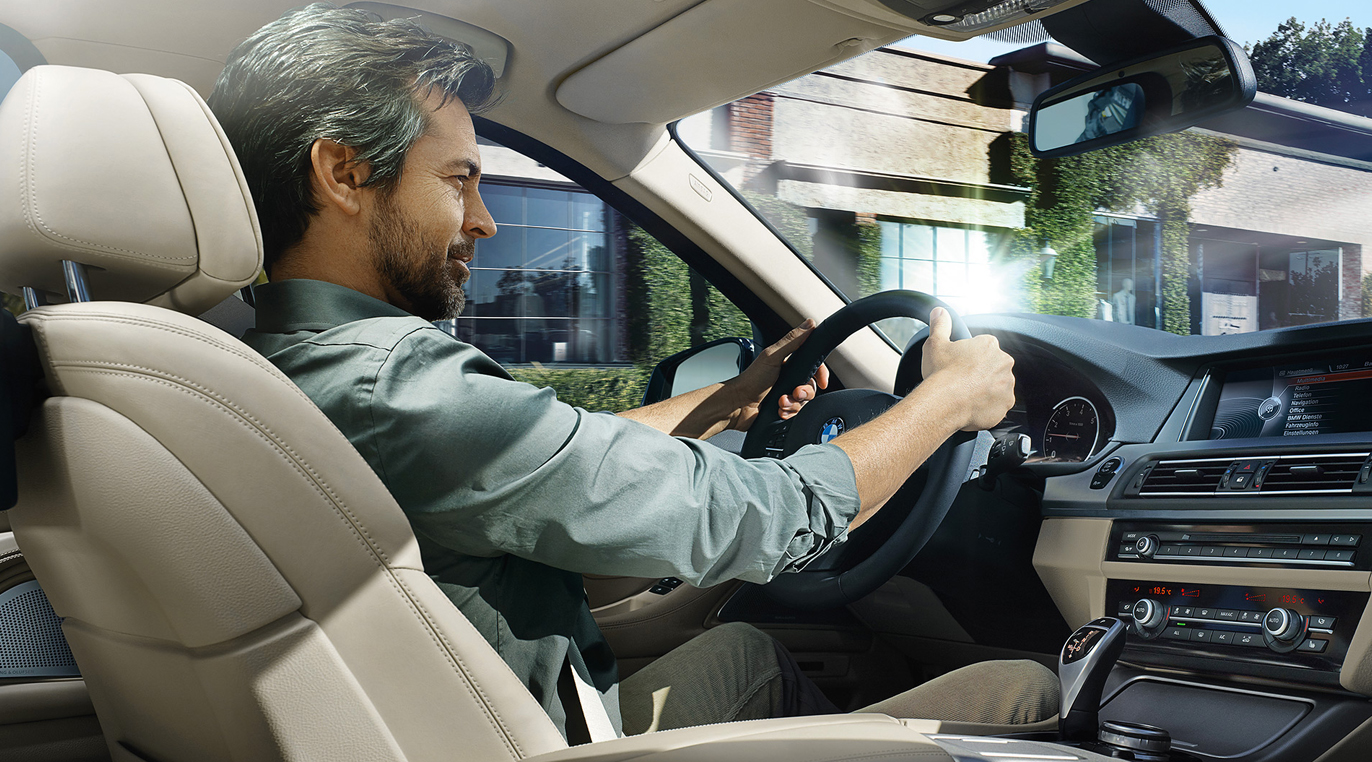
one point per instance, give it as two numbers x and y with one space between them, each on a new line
42 719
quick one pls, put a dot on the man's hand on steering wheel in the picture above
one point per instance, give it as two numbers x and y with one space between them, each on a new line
974 374
753 384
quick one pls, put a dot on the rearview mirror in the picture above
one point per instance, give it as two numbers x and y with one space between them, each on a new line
1157 94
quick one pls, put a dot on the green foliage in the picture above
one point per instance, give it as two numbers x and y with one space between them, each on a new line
1325 64
660 309
15 304
789 220
596 389
868 257
1159 174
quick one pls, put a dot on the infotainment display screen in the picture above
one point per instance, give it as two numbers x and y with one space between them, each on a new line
1295 400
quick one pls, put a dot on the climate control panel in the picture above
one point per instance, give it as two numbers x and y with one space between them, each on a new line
1304 629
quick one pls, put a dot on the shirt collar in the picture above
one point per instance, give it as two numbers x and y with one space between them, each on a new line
298 304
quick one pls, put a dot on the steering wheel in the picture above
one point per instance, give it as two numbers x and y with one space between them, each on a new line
834 580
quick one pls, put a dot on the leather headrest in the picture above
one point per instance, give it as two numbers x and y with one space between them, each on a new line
129 175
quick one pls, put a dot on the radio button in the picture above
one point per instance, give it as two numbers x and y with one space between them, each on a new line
1338 555
1312 554
1259 552
1235 551
1285 554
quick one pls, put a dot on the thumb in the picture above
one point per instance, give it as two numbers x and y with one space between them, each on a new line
940 324
791 341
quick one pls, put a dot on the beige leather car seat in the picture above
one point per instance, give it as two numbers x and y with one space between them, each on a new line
236 582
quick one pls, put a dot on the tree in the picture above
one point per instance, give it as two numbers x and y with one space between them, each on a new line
1325 64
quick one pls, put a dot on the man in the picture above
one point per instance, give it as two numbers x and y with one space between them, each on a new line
357 142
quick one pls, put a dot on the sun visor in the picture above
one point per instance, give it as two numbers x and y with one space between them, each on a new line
714 53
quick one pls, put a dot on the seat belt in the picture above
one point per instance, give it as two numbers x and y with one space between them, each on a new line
587 720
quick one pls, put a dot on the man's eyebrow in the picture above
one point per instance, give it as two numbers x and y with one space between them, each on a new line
458 165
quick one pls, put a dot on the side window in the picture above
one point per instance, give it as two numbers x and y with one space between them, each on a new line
570 294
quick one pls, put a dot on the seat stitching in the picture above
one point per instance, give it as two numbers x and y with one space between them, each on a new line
32 210
144 322
227 411
458 664
86 364
493 716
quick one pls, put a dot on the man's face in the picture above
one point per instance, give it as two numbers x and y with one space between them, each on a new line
422 232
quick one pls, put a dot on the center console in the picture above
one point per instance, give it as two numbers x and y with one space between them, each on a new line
1237 548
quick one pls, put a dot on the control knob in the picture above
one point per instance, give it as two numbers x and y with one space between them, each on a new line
1149 618
1146 545
1283 629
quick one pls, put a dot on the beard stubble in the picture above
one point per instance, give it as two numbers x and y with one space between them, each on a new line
418 269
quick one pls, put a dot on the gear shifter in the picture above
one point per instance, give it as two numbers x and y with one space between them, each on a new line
1085 662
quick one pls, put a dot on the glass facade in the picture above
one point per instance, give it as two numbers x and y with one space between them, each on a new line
543 287
1126 270
951 263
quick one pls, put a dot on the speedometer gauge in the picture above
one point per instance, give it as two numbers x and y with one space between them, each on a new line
1072 431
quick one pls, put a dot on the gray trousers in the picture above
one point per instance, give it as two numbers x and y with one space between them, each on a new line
736 672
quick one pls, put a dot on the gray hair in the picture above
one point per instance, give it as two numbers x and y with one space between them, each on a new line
337 73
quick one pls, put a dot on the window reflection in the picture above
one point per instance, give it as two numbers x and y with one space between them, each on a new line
542 288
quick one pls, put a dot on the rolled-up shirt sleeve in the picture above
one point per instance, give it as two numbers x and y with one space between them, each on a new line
486 465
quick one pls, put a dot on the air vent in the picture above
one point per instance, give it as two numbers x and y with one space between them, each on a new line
1319 474
1295 474
1173 478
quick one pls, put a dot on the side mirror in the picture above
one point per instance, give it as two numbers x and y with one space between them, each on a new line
1148 96
698 367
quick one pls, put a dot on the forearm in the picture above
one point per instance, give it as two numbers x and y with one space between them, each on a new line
887 450
699 414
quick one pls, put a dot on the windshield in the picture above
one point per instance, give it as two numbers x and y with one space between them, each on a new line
908 168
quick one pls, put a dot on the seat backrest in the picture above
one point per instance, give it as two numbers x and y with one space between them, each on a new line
236 582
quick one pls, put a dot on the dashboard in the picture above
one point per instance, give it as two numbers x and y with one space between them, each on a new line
1223 511
1067 417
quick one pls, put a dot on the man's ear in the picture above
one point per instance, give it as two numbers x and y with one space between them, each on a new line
337 176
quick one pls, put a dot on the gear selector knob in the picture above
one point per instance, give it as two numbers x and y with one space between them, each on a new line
1085 662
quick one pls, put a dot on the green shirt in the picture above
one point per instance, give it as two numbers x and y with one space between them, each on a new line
513 495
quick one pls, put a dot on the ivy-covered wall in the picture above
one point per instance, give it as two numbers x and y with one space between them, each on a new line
1160 175
671 308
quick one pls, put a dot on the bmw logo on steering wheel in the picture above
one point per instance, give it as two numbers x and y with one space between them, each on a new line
832 428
